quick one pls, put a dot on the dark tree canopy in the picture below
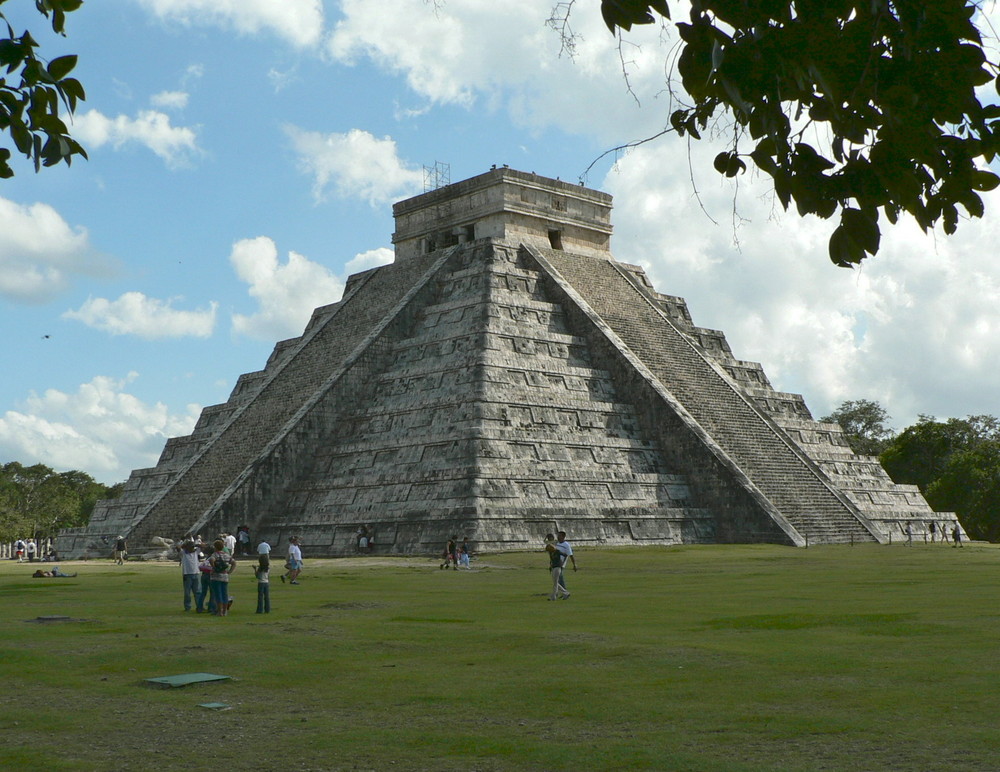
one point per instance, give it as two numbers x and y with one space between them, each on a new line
33 90
887 86
37 501
956 464
864 424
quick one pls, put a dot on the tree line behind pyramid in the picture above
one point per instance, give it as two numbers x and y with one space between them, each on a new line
505 377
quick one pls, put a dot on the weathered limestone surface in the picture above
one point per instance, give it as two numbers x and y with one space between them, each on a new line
505 377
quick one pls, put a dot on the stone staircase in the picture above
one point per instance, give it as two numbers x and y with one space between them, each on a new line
897 511
781 471
196 471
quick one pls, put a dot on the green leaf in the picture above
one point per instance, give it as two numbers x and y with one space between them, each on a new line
983 180
625 13
949 214
660 6
21 136
61 66
861 228
843 251
735 165
12 54
973 205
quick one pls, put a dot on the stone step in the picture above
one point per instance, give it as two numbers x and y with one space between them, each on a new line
783 476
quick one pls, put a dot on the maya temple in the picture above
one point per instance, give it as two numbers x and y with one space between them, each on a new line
506 377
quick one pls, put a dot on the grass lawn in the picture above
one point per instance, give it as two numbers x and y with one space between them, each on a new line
689 658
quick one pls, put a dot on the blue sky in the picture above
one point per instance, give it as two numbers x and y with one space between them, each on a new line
244 157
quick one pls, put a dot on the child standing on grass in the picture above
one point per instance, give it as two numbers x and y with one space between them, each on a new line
263 585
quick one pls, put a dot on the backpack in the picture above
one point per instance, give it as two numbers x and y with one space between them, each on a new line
220 565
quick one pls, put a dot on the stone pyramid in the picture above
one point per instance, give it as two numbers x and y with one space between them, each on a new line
503 378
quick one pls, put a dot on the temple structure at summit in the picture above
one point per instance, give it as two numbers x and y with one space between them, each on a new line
506 377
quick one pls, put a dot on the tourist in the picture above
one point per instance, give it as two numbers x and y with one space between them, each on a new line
54 572
121 550
933 530
205 568
19 547
190 574
463 552
362 539
556 559
567 552
294 564
32 550
451 553
263 584
264 549
956 535
243 539
230 542
223 565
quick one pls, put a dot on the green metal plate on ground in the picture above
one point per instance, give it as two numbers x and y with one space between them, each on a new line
186 679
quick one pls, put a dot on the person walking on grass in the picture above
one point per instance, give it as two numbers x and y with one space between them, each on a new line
263 584
555 568
121 550
463 552
956 535
223 565
566 551
294 564
451 553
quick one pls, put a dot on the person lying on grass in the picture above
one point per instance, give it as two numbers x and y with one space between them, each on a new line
54 572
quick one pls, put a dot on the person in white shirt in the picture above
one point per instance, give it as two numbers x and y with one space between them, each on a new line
191 574
563 548
294 561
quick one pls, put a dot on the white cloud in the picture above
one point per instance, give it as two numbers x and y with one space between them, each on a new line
193 72
170 100
150 318
373 258
176 145
465 51
101 429
40 252
401 113
355 164
286 293
300 22
281 79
